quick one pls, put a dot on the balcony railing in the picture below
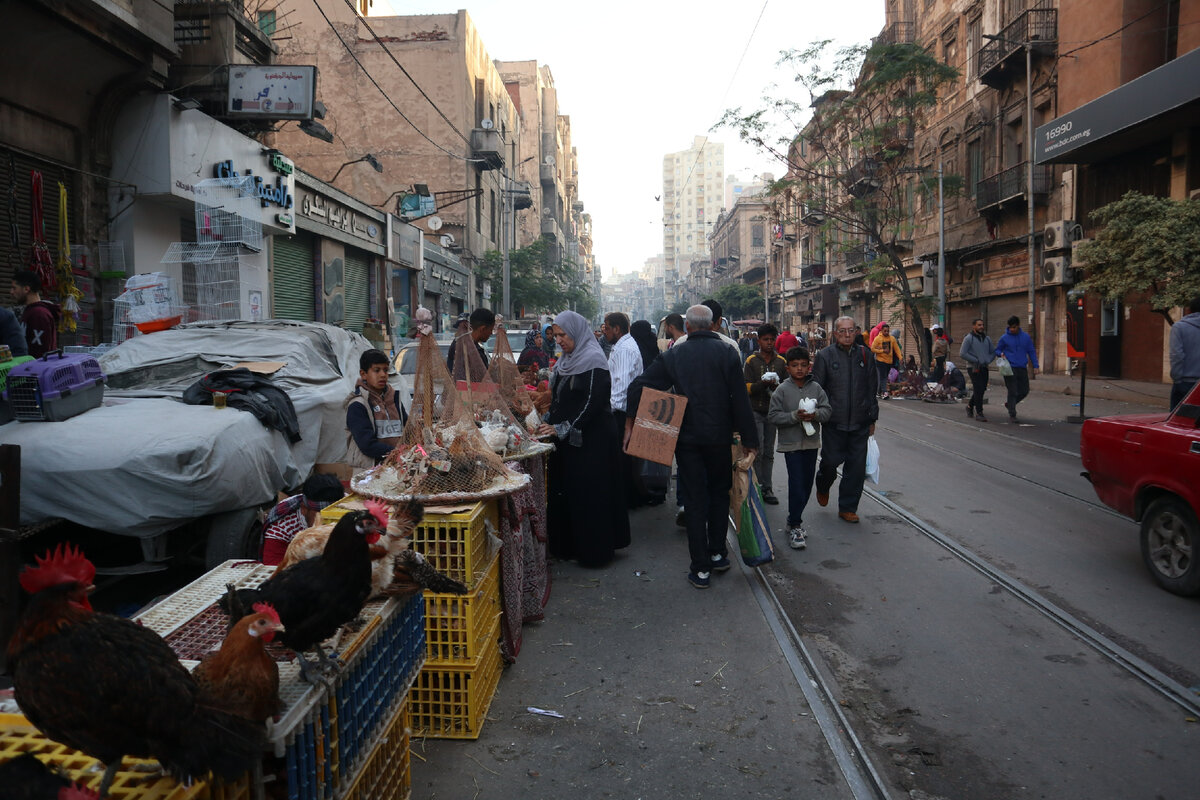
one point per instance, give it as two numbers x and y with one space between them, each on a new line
860 178
1003 58
896 33
487 145
812 272
1010 185
858 257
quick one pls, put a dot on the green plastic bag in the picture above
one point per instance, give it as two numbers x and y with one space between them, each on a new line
754 532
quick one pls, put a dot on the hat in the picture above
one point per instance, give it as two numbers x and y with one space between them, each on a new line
950 366
935 327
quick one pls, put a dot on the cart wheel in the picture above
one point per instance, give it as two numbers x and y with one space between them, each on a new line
1170 535
233 535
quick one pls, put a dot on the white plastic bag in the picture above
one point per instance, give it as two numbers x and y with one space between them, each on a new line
1004 367
873 459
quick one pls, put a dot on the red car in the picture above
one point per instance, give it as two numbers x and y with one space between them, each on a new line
1148 467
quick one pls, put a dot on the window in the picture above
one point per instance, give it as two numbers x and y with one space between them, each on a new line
950 47
756 235
974 44
974 166
266 22
492 214
478 202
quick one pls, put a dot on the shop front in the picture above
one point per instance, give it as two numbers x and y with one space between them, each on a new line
445 283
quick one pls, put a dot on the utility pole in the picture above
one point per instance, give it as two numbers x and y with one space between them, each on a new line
941 267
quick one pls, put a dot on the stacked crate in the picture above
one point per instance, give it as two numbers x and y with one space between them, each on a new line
329 739
451 696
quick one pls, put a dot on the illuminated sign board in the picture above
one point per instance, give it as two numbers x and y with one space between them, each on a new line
271 92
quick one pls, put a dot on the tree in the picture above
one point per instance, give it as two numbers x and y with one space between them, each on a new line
1145 245
537 284
739 300
848 153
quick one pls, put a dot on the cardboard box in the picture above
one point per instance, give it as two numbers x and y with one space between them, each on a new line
656 426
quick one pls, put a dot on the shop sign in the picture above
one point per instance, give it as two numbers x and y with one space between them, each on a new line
279 194
326 212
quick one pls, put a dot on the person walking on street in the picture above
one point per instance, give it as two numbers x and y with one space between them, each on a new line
39 317
709 374
887 355
1185 353
799 442
624 364
940 352
785 341
1017 346
978 352
764 369
482 323
848 375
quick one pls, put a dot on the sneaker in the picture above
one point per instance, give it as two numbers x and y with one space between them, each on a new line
981 417
796 538
822 498
971 412
848 516
680 518
698 579
769 498
720 563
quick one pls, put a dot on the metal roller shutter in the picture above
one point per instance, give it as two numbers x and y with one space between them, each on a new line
357 290
959 317
14 179
999 309
292 277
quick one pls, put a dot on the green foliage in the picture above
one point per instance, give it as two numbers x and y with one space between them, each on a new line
1145 245
739 300
680 307
538 286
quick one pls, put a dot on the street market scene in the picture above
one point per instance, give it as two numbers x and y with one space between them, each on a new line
814 415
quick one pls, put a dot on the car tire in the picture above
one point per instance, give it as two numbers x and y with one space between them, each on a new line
1170 535
233 535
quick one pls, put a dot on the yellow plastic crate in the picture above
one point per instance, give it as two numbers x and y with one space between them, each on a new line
459 628
387 773
18 736
448 703
455 544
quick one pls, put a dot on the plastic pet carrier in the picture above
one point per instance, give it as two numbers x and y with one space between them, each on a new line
54 387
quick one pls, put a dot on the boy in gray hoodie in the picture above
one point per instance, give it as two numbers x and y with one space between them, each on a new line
798 445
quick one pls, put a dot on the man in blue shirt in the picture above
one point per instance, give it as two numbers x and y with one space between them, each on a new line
1017 347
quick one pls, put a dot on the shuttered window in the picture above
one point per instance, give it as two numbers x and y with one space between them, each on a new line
357 290
292 277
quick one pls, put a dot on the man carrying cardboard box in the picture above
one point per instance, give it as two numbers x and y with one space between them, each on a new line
709 374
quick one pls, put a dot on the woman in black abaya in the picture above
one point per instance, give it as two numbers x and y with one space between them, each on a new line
587 517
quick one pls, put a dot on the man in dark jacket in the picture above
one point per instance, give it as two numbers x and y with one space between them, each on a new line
39 317
846 371
707 371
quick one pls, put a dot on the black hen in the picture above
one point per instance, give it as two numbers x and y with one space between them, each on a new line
112 688
317 596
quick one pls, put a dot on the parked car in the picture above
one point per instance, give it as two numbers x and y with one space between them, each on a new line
146 465
405 363
1147 467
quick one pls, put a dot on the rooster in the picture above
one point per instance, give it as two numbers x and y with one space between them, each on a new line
310 543
411 573
27 777
317 596
111 688
242 674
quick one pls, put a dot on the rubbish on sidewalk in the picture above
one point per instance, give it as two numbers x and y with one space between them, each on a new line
543 712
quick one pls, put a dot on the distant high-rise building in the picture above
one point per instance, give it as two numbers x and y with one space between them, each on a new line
693 187
736 188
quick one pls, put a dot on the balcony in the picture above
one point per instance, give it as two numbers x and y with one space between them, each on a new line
487 145
1002 59
812 215
1009 186
812 272
896 33
550 229
547 173
858 257
860 178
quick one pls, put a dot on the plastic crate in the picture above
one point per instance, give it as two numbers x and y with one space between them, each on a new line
459 628
386 773
325 735
450 703
455 544
7 365
18 736
55 387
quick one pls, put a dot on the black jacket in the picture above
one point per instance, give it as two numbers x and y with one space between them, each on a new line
251 392
706 371
851 380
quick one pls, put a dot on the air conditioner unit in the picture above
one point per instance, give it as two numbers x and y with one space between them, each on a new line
1059 235
929 285
826 278
869 287
1057 270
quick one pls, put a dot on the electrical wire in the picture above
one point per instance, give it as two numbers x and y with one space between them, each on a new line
391 102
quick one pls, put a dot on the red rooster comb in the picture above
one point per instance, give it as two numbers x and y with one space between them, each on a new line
66 564
267 610
379 511
78 791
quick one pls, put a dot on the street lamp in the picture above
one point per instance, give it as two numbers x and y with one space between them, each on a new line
1028 46
369 158
941 274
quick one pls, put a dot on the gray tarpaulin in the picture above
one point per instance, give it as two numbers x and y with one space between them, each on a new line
144 462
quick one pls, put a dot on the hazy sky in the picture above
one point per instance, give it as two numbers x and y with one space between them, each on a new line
641 79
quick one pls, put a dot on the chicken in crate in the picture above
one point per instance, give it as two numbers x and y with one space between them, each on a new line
54 387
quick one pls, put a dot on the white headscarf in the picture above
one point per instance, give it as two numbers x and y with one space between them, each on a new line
587 354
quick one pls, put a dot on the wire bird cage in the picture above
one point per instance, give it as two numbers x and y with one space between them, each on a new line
149 303
228 213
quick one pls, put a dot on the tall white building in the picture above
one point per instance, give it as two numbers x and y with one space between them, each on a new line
693 188
736 188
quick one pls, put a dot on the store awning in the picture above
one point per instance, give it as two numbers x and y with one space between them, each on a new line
1145 110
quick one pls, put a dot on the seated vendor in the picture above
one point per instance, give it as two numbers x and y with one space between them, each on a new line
297 513
375 415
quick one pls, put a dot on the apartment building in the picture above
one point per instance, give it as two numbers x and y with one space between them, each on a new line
693 189
739 246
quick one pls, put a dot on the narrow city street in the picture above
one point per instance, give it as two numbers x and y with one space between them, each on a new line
987 631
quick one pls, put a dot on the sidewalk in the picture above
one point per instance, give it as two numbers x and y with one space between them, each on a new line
1139 392
666 691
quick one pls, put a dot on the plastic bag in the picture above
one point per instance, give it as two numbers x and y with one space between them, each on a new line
754 533
1004 367
873 459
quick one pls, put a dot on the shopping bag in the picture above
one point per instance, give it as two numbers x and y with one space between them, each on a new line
1004 367
754 533
651 478
873 459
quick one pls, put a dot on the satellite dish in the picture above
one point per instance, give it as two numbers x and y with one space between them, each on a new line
486 124
447 241
548 161
435 223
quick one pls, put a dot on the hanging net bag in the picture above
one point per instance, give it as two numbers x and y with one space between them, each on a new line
507 375
443 457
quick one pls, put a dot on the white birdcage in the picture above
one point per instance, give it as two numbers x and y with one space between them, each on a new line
149 303
228 213
110 256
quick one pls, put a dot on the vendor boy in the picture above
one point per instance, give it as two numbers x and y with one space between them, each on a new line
375 416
